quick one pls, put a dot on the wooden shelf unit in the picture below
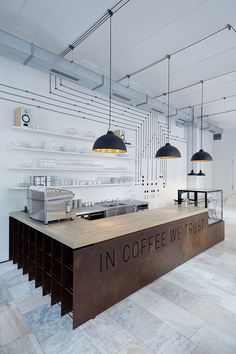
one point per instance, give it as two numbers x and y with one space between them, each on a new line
45 260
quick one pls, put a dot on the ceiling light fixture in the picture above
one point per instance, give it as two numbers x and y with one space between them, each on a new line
201 155
192 173
168 151
109 143
200 173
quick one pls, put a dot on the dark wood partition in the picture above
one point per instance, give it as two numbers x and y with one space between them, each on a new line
25 264
45 260
67 280
32 253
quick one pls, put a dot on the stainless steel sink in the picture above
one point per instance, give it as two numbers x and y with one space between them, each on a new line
119 210
112 204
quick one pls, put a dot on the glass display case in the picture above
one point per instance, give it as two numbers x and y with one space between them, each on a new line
205 198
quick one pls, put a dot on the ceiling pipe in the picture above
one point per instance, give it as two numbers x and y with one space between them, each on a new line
21 51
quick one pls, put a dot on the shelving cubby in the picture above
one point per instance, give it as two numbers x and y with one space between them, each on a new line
47 261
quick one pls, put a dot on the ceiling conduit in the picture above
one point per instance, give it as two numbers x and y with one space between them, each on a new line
27 53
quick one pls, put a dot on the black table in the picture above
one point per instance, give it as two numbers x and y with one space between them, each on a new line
196 193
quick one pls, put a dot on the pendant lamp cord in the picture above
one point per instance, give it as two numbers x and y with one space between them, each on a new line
201 111
110 58
168 100
192 129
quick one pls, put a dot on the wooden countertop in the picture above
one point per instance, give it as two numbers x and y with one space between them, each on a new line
79 232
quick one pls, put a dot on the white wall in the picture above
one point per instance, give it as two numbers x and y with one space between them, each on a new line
171 174
223 152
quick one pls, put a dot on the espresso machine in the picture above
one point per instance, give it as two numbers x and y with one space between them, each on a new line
49 204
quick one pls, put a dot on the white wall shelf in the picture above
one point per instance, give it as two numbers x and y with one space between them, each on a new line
71 153
64 135
81 186
48 132
88 169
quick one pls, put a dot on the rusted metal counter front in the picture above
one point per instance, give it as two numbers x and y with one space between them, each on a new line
88 266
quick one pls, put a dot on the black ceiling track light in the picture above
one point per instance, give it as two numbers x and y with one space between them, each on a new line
109 142
168 151
201 155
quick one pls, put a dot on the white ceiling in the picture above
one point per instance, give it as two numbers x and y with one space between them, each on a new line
143 31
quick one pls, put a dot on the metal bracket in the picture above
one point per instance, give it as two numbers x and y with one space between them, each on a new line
141 104
176 113
31 55
102 84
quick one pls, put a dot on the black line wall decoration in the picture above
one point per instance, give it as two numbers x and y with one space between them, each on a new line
150 132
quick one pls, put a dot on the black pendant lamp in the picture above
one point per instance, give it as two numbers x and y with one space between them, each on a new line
192 173
109 142
168 151
201 155
200 173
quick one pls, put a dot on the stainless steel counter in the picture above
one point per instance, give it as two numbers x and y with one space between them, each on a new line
110 207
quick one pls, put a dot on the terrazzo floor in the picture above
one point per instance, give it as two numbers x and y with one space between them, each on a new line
192 309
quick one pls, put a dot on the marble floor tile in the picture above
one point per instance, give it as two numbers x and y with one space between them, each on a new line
12 326
228 246
12 278
191 271
6 267
33 302
46 320
214 340
165 340
186 280
24 290
133 318
158 284
6 301
178 295
136 347
216 315
106 334
229 259
4 294
203 289
74 342
216 252
229 303
231 235
222 269
199 350
224 284
176 317
7 305
145 297
25 345
155 334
